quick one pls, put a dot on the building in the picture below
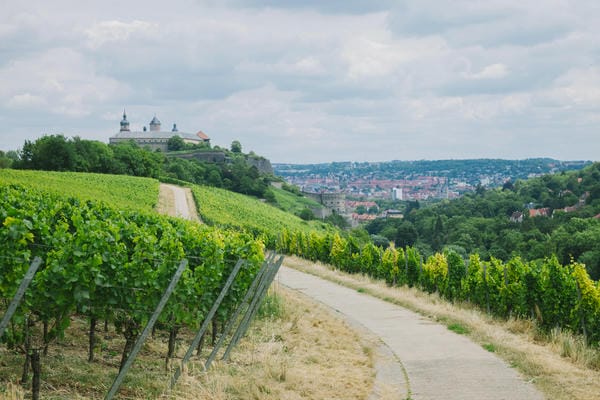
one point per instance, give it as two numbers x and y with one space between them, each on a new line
154 138
539 212
394 214
397 194
334 201
516 217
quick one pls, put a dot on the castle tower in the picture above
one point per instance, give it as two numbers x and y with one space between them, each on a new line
155 125
124 123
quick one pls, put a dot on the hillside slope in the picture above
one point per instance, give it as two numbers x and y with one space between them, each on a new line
127 192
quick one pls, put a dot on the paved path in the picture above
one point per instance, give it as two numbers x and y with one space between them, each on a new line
439 364
182 207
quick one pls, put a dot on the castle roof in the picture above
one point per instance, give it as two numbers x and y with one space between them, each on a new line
202 135
154 135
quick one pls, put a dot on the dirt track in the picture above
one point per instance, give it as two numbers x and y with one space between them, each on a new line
178 202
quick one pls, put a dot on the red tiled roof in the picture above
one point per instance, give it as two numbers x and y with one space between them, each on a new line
539 212
202 135
363 217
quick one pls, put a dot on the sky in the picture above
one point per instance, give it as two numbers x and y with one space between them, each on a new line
311 81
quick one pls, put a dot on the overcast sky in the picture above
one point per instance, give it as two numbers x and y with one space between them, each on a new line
313 80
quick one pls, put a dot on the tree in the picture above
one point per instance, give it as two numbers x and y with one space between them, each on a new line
361 209
53 153
406 235
236 147
270 197
306 214
337 220
175 143
5 162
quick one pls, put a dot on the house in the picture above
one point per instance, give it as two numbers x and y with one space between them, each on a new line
517 216
353 205
154 138
394 214
539 212
363 217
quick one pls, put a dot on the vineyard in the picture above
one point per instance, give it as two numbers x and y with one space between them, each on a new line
228 209
107 259
555 295
108 265
122 191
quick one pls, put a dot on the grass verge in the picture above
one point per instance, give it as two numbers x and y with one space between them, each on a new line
303 352
558 364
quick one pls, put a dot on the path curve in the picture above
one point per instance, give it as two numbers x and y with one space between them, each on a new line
439 364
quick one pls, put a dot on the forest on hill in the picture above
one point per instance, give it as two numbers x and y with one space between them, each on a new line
58 153
534 218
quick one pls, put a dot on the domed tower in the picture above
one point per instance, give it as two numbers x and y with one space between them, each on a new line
154 125
124 123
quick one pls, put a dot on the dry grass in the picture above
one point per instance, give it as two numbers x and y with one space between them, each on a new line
166 201
189 196
307 353
558 364
304 352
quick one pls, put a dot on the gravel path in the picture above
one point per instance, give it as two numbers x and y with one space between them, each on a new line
182 207
435 363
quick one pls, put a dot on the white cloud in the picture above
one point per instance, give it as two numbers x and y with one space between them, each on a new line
61 79
117 31
378 57
493 71
579 86
26 100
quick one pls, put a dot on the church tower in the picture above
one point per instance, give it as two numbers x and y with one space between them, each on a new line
155 125
124 123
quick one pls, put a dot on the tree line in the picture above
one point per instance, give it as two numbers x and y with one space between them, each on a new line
58 153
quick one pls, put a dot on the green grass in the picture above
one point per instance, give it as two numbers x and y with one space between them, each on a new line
121 191
225 208
458 328
489 347
292 203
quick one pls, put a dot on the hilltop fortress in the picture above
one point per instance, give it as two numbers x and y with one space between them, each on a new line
154 138
157 139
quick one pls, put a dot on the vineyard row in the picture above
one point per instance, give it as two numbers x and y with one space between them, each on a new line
555 295
94 255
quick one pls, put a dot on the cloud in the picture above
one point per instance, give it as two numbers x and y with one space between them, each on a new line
327 7
579 87
493 71
26 100
59 78
311 80
376 57
116 31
